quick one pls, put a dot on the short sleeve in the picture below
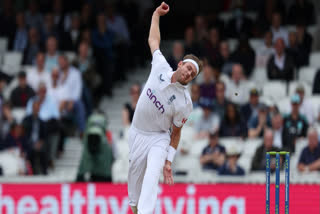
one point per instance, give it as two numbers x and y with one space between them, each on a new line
182 116
159 62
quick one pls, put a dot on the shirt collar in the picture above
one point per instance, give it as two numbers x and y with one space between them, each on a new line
169 76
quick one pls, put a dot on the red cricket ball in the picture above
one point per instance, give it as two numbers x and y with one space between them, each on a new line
165 7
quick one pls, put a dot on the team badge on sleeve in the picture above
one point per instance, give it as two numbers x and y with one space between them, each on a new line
171 99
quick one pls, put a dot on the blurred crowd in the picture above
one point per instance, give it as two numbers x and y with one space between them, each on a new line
228 104
73 53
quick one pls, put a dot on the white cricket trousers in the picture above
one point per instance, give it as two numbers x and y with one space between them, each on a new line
148 152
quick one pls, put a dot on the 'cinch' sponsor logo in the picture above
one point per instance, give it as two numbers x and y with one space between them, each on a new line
155 101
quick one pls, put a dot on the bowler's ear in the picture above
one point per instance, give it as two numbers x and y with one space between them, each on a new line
180 64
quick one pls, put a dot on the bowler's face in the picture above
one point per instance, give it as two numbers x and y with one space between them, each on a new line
187 72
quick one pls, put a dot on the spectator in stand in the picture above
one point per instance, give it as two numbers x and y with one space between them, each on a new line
265 13
302 9
55 90
190 44
16 143
221 102
49 29
48 107
306 107
251 108
230 167
21 34
259 122
209 121
281 65
129 108
51 58
299 54
117 23
36 136
244 55
277 30
225 57
103 42
70 39
49 114
277 129
213 155
38 73
58 15
232 124
207 87
86 38
176 56
295 125
310 156
239 24
71 80
6 120
86 20
87 68
33 17
201 28
264 52
33 47
259 159
304 38
215 22
212 45
237 87
22 93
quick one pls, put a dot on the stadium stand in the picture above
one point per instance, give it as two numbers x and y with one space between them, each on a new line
131 63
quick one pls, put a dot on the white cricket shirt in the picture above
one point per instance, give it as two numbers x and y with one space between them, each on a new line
161 102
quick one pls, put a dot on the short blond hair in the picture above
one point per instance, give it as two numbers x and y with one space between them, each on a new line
193 57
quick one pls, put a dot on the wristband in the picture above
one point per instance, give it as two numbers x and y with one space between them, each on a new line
171 153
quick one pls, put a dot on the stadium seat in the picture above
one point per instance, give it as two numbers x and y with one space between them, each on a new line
11 162
11 62
314 59
252 15
276 90
259 76
315 100
250 146
225 16
187 163
70 55
12 85
197 147
27 68
123 149
312 30
293 85
245 162
3 47
284 105
291 28
256 43
232 44
307 74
